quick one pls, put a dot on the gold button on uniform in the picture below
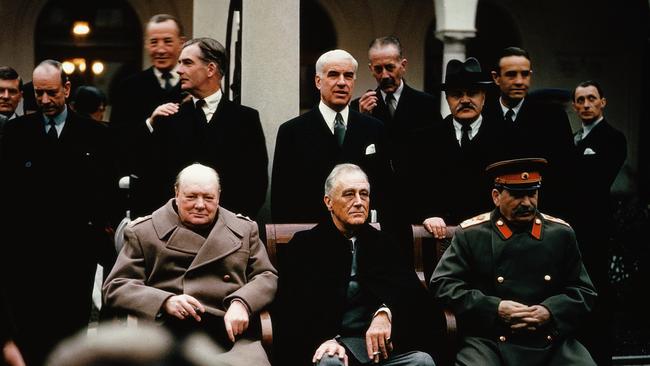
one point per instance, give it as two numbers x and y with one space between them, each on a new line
538 221
547 278
500 279
550 338
226 278
499 223
502 338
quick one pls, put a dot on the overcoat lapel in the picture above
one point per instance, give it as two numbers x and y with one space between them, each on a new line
224 239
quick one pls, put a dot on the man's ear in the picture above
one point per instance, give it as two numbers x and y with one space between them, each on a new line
604 101
66 89
495 77
317 81
328 202
496 197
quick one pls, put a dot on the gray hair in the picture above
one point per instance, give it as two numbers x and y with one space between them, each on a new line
335 55
339 170
211 51
200 169
57 65
161 18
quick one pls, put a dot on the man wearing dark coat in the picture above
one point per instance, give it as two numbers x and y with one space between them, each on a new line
208 128
137 97
407 114
196 266
600 151
309 146
59 181
533 128
515 280
463 145
345 296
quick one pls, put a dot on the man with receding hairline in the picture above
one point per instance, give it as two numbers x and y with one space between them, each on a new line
196 266
61 188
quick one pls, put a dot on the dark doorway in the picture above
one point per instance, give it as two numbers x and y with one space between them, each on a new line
317 35
109 51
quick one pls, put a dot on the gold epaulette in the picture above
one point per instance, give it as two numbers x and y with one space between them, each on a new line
555 219
475 220
243 217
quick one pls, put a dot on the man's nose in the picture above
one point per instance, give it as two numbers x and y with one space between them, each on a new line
200 202
45 98
4 93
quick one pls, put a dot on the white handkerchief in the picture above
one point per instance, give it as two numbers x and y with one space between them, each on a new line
370 149
589 151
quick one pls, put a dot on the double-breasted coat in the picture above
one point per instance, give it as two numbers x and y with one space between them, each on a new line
162 258
488 262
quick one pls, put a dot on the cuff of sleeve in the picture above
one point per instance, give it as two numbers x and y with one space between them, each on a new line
148 123
240 300
384 309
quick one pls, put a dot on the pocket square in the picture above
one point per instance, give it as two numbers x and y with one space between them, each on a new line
589 151
370 149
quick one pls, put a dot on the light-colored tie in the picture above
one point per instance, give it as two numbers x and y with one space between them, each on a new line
390 103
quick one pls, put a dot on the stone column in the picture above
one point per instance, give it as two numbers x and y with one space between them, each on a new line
455 23
271 66
210 18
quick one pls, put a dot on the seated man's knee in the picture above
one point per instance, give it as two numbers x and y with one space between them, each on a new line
328 360
422 359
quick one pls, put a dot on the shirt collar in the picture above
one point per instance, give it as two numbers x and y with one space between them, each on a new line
173 80
458 127
59 119
211 101
396 94
514 109
587 128
329 115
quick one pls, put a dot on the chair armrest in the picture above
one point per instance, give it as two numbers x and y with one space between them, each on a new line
267 331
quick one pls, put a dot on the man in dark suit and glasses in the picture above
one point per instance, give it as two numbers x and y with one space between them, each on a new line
136 98
601 150
58 193
208 128
309 146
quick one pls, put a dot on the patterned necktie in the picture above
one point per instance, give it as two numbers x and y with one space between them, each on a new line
167 76
578 136
339 129
509 116
52 134
464 140
199 111
390 103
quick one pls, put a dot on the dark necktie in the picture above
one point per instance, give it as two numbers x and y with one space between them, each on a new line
390 103
464 140
339 129
509 116
167 76
51 133
199 111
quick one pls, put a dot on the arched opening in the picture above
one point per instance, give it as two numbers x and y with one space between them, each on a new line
317 35
100 42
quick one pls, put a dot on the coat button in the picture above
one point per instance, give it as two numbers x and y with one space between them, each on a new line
502 338
499 223
547 278
549 338
226 278
500 279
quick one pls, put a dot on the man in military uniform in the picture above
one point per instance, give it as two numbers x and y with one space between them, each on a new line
514 278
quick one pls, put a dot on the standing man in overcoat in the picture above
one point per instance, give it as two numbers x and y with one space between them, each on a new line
58 186
196 266
515 280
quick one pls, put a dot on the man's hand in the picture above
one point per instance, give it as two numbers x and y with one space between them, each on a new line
531 318
11 355
331 347
378 343
436 226
368 102
163 110
182 306
236 319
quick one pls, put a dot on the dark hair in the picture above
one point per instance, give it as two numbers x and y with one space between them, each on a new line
211 51
387 41
88 99
160 18
511 51
585 84
8 73
57 65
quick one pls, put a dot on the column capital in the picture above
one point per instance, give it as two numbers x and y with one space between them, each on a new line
452 36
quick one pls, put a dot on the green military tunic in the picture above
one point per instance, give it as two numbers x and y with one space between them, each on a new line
489 261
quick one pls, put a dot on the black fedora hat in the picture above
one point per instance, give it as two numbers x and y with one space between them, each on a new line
462 74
